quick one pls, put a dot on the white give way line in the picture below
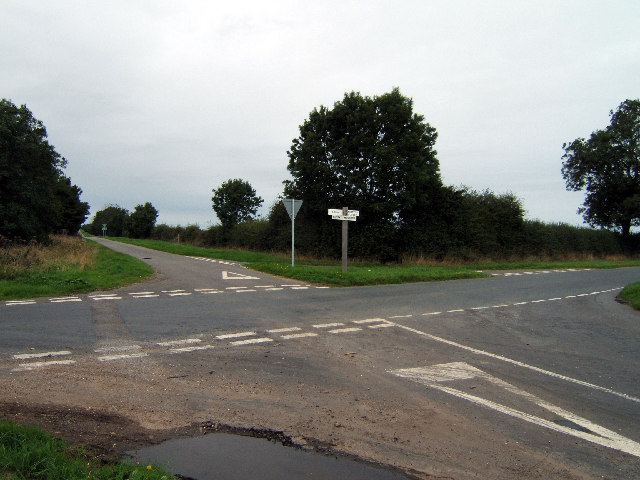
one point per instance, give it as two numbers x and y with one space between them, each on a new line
437 376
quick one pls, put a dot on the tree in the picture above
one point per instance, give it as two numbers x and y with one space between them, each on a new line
35 196
71 212
142 220
114 217
370 154
235 201
607 166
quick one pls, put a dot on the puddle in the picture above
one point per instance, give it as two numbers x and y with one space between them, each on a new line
223 456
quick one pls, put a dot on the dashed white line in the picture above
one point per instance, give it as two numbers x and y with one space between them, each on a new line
328 325
402 316
369 320
284 330
299 335
26 356
345 330
252 341
432 313
12 303
124 356
117 348
186 341
191 349
65 299
456 310
246 290
33 365
381 325
235 335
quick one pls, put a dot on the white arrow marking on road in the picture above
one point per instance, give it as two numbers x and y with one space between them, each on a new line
237 276
436 375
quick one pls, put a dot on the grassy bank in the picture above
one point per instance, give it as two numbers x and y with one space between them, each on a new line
27 453
631 293
69 265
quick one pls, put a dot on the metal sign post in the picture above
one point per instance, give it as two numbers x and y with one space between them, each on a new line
346 216
292 205
104 229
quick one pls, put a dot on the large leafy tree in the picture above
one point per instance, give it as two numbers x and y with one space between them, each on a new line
114 217
35 196
607 167
235 201
142 220
373 154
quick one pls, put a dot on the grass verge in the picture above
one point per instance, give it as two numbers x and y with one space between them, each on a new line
328 272
26 453
70 265
631 293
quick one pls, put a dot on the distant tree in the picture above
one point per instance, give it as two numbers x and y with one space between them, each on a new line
370 154
35 197
235 201
114 217
607 166
142 220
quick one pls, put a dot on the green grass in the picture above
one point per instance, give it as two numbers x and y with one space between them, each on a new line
328 272
631 293
26 453
108 270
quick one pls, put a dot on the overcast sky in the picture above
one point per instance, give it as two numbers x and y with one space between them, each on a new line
162 101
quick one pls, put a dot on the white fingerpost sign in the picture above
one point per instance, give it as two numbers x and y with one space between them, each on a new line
346 216
104 229
292 205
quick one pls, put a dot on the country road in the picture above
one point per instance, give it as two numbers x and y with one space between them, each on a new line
521 375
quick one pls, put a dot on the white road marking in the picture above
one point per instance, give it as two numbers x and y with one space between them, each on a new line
327 325
456 310
292 285
237 276
142 293
381 325
436 375
284 330
521 303
173 291
299 288
499 306
480 308
369 320
345 330
65 299
252 341
432 313
185 341
33 365
235 335
265 286
106 297
117 348
11 303
554 299
246 290
299 335
518 363
191 349
150 295
26 356
235 288
273 289
402 316
124 356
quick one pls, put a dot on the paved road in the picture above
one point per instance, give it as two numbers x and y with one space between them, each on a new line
525 374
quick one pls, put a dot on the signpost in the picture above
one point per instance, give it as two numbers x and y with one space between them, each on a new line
104 229
346 216
292 205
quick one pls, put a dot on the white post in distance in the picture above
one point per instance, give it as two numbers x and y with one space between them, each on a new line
292 205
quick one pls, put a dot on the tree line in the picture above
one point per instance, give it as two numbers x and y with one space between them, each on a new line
36 198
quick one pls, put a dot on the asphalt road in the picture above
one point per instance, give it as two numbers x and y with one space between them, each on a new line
521 375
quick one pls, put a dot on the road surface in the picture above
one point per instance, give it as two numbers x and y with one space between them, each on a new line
521 375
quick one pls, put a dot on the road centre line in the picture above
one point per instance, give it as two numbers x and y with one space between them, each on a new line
517 363
26 356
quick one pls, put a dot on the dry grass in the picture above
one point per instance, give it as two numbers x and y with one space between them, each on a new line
62 253
515 259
